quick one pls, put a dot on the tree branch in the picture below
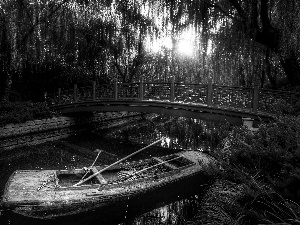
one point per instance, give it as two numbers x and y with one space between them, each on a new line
239 8
264 15
119 68
33 27
254 16
27 13
268 35
217 6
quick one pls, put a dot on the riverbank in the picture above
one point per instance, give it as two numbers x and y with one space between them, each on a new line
259 177
34 132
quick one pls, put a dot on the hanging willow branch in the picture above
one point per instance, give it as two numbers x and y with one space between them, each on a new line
38 22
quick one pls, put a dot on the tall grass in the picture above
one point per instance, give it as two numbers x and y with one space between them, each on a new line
258 176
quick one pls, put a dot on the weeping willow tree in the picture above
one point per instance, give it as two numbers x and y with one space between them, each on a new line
66 41
240 42
23 37
258 36
265 35
45 43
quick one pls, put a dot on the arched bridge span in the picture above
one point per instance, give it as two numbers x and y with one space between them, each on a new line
165 108
203 101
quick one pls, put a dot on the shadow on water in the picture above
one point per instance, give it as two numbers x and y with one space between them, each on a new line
182 133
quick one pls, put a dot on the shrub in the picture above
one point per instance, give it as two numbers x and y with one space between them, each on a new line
266 165
19 112
282 107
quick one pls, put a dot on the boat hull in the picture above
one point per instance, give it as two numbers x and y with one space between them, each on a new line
115 207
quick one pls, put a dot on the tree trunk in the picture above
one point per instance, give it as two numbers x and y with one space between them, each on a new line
6 78
272 77
259 28
7 87
10 29
291 67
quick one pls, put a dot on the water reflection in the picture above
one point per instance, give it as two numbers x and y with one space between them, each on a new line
179 212
181 133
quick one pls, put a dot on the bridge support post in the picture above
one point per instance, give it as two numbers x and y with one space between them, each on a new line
75 93
255 98
94 90
59 96
209 92
116 90
172 89
141 90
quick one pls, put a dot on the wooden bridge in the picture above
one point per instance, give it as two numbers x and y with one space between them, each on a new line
203 101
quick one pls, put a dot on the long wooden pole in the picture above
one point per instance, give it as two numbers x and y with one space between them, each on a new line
150 167
115 163
99 151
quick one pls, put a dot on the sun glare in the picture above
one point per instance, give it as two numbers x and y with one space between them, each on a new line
158 44
185 44
167 42
185 47
209 47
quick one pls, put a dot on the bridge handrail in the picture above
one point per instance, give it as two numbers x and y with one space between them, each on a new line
225 86
234 96
280 91
269 97
246 98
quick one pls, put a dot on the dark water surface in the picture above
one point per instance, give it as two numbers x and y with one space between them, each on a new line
118 142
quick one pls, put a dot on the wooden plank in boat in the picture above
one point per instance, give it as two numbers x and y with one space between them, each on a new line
166 163
99 176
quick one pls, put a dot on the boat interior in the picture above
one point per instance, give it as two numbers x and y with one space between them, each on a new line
123 172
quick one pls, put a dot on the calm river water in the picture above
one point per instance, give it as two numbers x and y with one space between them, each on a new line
119 141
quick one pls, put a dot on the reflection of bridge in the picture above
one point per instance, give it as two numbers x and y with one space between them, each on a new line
204 101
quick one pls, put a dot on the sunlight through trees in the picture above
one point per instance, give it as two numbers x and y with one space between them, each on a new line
53 43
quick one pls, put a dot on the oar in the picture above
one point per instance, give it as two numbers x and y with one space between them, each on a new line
115 163
99 151
140 171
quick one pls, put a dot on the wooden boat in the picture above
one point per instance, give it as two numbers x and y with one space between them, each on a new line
50 195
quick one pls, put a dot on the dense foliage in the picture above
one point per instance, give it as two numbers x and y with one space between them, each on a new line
49 44
259 176
19 112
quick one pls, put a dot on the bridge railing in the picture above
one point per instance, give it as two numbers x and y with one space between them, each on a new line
103 91
268 97
231 96
191 93
157 91
127 91
59 98
241 98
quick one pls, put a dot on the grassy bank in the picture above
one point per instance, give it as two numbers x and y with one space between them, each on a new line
258 176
